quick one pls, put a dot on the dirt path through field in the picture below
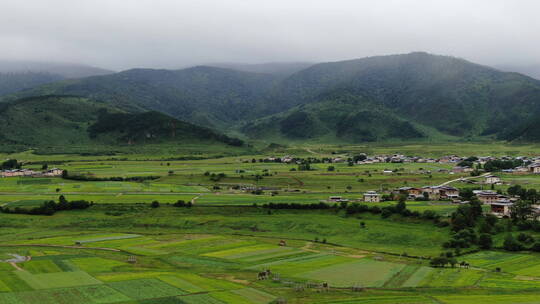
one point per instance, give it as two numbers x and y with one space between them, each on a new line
463 179
63 246
300 183
16 266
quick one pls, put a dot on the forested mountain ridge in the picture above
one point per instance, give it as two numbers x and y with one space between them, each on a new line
16 76
12 82
206 96
68 121
417 95
450 94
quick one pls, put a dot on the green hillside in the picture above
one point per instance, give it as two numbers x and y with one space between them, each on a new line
409 96
17 81
206 96
339 117
67 121
452 95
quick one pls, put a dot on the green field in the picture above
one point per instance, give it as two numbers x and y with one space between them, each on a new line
120 250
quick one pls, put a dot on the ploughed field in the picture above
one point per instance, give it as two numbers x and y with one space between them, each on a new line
120 250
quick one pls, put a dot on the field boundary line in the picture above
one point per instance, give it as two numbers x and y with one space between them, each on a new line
63 246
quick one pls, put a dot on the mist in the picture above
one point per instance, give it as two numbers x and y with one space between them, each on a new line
123 34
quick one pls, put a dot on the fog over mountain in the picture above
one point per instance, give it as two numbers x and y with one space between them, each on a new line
61 69
532 70
119 35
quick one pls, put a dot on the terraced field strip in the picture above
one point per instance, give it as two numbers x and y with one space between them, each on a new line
71 239
402 276
523 264
453 277
246 251
230 297
293 260
274 254
85 294
254 295
417 277
57 279
208 284
96 264
200 299
508 281
181 283
365 272
41 266
492 299
146 289
109 238
377 299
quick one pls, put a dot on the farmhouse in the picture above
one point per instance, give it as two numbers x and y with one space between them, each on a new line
412 193
492 179
521 170
487 196
447 192
372 197
53 172
535 168
501 208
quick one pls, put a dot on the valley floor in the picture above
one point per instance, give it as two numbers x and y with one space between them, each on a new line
121 250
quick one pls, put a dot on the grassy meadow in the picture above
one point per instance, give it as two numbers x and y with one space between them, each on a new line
120 250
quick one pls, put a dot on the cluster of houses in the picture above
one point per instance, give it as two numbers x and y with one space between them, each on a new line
500 205
533 163
31 173
429 192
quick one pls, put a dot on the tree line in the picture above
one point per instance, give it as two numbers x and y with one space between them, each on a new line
50 207
86 178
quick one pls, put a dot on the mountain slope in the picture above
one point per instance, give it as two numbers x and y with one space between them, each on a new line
338 117
452 95
531 70
426 95
16 76
62 69
74 121
17 81
206 96
283 69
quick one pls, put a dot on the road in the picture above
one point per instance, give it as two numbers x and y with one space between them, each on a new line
463 178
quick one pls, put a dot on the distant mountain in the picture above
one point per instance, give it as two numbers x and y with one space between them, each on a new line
276 68
12 82
206 96
64 70
68 121
451 95
398 97
16 76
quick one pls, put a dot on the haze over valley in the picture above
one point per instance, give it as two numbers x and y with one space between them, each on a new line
269 152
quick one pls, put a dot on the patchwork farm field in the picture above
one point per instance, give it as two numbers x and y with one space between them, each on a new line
227 247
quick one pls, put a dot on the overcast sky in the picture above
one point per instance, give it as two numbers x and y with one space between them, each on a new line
121 34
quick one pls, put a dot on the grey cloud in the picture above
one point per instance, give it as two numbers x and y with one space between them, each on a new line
121 34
